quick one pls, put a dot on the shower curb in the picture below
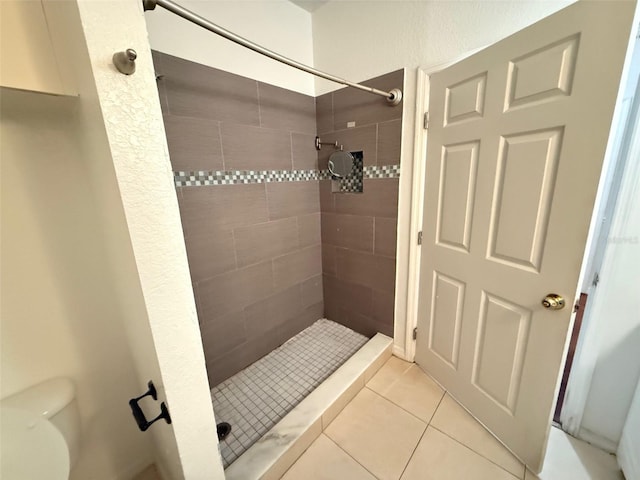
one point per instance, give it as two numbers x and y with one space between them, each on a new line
273 454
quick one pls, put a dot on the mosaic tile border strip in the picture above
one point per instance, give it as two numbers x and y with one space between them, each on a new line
381 171
238 177
233 177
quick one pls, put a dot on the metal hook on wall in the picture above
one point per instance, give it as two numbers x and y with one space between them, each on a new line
333 144
125 61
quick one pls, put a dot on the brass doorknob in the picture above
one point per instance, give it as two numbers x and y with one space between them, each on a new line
553 301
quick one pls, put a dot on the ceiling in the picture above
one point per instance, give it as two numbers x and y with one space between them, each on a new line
309 5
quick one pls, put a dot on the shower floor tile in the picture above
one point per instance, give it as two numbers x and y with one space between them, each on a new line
259 396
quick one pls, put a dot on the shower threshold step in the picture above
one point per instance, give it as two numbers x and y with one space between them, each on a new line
271 435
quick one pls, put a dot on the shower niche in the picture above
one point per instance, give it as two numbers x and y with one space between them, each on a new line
345 169
346 172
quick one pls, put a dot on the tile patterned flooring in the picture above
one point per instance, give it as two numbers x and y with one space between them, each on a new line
259 396
403 426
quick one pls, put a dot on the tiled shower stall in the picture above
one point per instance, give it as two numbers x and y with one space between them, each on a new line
271 249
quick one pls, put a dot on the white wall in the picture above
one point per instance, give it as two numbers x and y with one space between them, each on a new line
628 457
360 40
278 25
27 58
95 277
149 259
614 316
60 315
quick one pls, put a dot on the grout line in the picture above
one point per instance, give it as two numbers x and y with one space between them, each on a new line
348 454
266 199
477 453
298 231
377 140
283 219
165 95
414 450
373 248
224 165
436 428
392 120
483 427
444 393
394 403
196 117
297 250
235 247
259 106
333 120
291 149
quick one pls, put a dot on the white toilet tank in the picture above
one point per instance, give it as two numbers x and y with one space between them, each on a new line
55 400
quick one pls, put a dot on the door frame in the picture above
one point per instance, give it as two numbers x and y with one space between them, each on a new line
578 384
418 164
416 209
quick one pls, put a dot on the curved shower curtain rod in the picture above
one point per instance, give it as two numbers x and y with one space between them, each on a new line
393 97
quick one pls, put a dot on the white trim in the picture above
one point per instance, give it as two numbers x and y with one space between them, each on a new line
417 202
628 458
408 264
404 212
398 351
628 461
597 440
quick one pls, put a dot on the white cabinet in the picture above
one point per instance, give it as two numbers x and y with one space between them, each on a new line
28 56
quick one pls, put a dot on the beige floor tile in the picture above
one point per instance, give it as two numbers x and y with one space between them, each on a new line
376 433
454 420
409 388
388 373
570 458
439 457
324 460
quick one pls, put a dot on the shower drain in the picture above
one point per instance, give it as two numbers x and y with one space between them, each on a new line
224 429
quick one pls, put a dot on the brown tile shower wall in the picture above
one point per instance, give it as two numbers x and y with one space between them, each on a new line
359 229
254 249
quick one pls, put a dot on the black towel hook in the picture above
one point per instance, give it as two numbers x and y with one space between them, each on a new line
138 414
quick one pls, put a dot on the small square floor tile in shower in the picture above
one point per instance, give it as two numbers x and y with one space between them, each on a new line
259 396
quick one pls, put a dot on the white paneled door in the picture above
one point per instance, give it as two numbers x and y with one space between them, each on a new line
516 140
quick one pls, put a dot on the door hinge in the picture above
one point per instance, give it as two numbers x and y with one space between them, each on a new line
420 238
415 333
426 120
596 279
